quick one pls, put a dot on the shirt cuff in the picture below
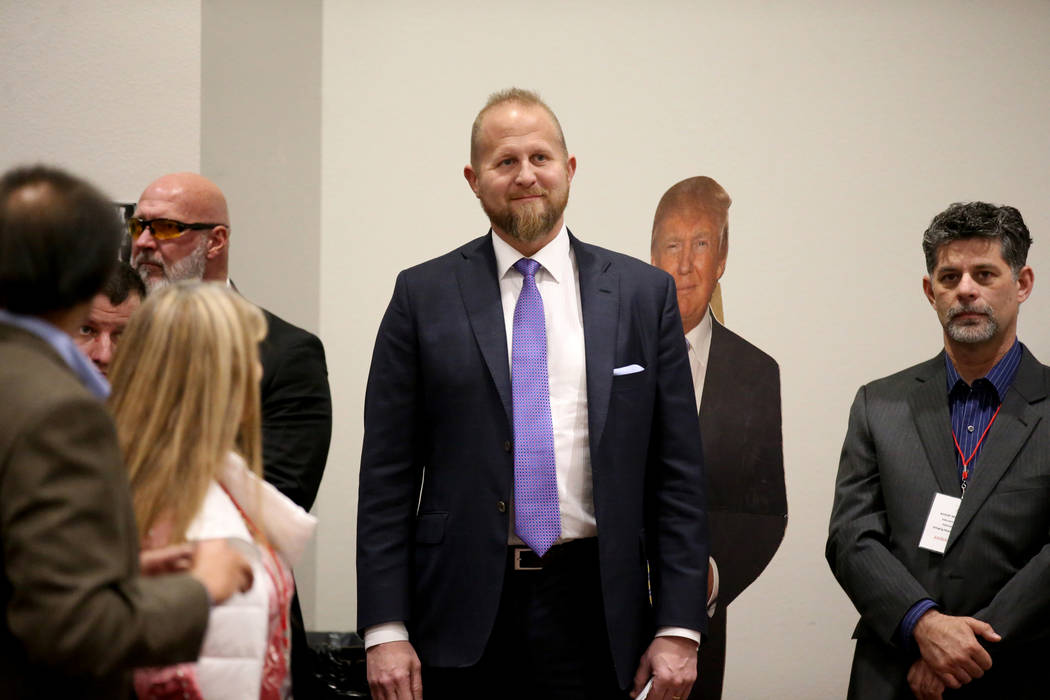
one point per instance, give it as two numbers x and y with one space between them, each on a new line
385 632
685 632
910 619
712 600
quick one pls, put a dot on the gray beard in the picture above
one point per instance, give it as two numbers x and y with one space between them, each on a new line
190 267
971 333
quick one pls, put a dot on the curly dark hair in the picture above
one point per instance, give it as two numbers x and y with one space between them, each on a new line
964 220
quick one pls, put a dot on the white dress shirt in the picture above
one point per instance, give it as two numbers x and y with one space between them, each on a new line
699 341
558 283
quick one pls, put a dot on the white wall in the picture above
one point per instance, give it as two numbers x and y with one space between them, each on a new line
839 128
123 91
109 89
261 142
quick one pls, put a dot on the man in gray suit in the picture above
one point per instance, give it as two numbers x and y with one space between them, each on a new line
940 531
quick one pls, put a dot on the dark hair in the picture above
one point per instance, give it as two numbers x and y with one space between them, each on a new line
58 240
122 282
979 220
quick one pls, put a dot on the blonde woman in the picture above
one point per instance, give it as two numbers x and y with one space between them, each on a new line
186 403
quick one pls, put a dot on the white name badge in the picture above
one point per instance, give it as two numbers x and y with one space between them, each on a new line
939 523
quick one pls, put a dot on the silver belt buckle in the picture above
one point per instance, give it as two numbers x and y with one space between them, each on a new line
518 566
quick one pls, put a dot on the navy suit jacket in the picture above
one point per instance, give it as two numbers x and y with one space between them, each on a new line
437 462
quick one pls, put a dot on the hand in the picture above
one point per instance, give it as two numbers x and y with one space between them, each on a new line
394 672
221 569
166 560
924 682
672 663
949 646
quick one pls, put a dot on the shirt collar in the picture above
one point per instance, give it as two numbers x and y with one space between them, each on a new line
701 333
553 257
60 341
1001 376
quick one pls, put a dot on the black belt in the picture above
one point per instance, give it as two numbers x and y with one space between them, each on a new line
522 558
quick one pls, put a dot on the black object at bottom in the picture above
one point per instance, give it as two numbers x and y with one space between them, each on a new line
338 662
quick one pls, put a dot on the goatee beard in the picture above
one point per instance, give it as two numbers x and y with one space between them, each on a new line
530 222
970 332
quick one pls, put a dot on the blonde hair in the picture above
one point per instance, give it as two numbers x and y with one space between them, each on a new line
694 194
527 98
186 393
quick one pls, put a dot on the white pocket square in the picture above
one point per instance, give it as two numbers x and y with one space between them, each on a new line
627 369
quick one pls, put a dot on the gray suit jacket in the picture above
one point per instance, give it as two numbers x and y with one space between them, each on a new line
897 454
77 617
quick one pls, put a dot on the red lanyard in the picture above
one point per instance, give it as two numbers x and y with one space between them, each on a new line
966 460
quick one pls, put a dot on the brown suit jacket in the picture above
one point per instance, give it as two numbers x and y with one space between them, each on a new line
77 617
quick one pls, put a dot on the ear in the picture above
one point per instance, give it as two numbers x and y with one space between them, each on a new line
218 240
472 179
570 166
1025 280
927 288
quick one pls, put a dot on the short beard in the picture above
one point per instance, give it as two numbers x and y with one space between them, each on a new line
971 333
190 267
531 223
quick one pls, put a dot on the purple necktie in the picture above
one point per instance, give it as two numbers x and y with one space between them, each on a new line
538 518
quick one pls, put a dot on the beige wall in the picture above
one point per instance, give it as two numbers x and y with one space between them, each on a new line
838 128
109 89
261 141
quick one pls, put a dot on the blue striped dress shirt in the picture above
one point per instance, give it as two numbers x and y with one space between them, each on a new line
972 408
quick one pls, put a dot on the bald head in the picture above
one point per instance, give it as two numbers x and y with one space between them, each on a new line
202 253
524 98
194 196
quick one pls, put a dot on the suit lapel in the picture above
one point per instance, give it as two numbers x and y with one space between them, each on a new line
481 296
929 409
600 304
1015 422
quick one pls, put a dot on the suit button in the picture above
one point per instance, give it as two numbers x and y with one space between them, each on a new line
501 506
506 446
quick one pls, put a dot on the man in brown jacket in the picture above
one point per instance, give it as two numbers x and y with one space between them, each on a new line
77 614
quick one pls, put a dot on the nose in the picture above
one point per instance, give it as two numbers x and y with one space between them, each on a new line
685 260
102 351
143 240
526 175
967 288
